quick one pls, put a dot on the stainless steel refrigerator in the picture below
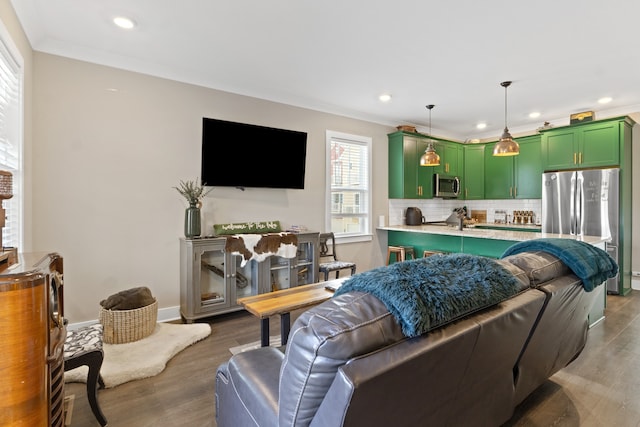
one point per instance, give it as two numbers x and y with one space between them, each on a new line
584 202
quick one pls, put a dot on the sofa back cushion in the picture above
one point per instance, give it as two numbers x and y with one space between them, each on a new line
323 339
539 266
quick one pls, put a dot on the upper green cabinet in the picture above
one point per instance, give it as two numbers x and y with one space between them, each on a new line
451 158
585 145
473 176
528 168
407 179
515 177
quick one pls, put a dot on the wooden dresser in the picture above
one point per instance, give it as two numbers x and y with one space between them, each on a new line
32 335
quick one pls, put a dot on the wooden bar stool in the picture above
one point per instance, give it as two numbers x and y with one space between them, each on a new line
401 253
429 253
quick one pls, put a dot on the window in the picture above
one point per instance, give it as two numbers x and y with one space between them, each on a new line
11 81
348 186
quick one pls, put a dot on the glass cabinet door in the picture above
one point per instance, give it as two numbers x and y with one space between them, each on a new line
245 278
280 273
213 289
305 264
287 273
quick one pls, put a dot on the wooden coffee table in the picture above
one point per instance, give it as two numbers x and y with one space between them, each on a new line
283 302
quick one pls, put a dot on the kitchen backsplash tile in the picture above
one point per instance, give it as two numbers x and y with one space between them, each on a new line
440 209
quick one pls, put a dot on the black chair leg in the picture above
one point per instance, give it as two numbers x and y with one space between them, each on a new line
94 362
337 274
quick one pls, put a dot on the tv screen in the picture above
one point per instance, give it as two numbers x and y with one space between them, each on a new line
244 155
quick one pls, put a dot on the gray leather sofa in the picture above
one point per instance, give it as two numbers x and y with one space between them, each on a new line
347 362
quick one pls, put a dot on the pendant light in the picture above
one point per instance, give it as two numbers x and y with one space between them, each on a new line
430 157
506 146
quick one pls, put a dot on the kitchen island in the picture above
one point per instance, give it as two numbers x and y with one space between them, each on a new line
480 240
490 242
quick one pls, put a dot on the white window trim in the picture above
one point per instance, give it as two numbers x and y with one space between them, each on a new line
368 142
18 176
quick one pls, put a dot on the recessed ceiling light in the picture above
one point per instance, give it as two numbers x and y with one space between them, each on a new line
481 125
605 100
385 97
534 114
124 22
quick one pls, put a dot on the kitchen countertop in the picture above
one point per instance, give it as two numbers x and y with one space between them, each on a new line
523 227
488 233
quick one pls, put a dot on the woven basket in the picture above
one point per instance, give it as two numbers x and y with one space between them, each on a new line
123 326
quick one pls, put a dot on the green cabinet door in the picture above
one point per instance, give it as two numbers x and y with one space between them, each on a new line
407 179
528 169
498 175
451 155
558 150
600 145
514 177
473 176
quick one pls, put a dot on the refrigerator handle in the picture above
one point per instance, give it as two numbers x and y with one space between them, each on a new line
577 209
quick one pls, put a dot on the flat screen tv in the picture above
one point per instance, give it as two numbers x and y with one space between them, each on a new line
245 155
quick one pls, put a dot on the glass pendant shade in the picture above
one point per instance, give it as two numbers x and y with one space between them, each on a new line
430 157
507 146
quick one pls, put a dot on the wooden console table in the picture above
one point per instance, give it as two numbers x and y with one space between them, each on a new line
283 303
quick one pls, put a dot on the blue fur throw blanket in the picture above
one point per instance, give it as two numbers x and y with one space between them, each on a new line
592 265
428 292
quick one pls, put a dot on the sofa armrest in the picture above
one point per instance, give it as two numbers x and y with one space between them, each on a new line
247 388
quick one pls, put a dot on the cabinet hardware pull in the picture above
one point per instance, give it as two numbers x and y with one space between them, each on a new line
580 157
574 159
515 191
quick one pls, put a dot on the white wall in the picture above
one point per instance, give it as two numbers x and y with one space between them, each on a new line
109 146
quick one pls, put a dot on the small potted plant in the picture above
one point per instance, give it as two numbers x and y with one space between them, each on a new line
194 193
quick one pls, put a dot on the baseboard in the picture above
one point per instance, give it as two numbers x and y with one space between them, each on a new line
167 314
635 283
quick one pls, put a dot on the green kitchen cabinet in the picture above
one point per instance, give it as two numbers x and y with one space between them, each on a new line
473 176
528 169
426 242
514 177
584 145
407 179
421 242
451 158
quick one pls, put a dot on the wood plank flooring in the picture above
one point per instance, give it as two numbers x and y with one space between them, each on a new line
601 388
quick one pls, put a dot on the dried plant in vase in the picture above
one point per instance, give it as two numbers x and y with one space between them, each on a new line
194 193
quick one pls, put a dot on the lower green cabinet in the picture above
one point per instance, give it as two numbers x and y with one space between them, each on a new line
421 242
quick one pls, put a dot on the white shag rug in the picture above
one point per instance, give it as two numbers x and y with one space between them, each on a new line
143 358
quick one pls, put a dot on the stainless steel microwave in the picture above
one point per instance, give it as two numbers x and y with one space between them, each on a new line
447 187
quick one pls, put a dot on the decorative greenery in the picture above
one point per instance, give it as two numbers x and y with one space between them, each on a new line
192 191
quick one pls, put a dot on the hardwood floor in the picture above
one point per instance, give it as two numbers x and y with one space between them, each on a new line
600 388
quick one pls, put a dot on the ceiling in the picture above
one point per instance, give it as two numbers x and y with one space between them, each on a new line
338 56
